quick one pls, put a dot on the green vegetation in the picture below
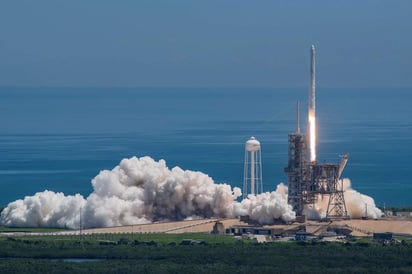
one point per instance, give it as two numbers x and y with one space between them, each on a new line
163 253
30 229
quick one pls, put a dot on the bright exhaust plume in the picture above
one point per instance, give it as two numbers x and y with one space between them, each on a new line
312 137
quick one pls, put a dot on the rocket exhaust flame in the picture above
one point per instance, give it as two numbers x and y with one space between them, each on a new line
311 115
312 137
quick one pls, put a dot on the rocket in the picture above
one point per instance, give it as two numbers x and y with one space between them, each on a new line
311 108
312 82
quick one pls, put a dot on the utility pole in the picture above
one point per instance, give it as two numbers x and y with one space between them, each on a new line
80 224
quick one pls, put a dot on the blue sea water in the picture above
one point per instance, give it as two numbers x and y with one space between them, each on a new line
60 138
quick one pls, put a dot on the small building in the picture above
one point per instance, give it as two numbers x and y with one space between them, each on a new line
255 230
328 234
340 230
301 219
383 238
260 239
218 228
404 214
303 236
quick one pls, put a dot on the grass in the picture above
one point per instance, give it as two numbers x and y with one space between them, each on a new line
162 253
30 229
159 238
26 255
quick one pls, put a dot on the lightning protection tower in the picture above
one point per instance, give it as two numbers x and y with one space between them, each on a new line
252 183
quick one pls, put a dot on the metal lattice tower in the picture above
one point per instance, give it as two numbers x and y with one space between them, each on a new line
307 181
336 205
296 170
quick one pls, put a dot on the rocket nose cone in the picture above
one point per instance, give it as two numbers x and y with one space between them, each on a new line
313 47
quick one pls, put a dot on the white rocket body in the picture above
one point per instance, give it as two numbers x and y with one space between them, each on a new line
312 82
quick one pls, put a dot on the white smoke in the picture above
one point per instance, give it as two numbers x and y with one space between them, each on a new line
142 190
44 209
265 208
358 205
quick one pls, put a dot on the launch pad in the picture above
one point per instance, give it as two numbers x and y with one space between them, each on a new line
308 180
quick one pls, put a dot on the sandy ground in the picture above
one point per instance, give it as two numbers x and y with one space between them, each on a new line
362 227
164 227
359 227
202 225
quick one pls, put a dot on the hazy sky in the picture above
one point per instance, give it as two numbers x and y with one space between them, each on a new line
206 43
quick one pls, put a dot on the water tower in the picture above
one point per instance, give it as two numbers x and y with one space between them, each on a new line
252 183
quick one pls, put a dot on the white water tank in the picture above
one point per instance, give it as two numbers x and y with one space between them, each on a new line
252 183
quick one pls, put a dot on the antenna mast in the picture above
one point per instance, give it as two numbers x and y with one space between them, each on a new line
297 118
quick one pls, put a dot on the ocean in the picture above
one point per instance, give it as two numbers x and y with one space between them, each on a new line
59 139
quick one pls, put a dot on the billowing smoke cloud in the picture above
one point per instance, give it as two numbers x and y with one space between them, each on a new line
357 204
265 208
142 190
44 209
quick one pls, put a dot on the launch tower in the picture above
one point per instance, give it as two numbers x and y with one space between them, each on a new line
309 180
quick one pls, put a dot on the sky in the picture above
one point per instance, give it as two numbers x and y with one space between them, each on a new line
213 43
